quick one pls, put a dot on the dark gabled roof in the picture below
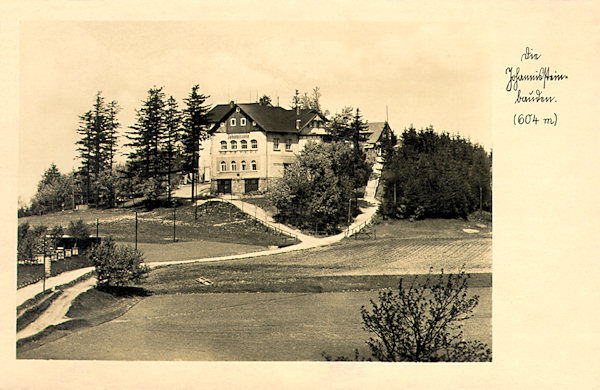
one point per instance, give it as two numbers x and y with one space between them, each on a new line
218 112
269 118
375 130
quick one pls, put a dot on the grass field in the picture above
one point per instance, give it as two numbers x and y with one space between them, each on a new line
271 326
291 306
171 251
401 248
263 203
217 222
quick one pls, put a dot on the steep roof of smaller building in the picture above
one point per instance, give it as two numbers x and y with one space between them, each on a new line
375 130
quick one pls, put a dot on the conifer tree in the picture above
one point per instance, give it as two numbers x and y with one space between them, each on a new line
111 131
98 143
172 136
195 129
147 135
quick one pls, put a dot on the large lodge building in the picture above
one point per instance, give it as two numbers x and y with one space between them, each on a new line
251 143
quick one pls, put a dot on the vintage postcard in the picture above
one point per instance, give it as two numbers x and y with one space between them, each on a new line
338 195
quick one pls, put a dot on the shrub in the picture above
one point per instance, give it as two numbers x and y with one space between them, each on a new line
117 266
78 230
30 241
423 322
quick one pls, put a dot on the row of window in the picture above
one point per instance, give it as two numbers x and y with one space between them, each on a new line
243 144
233 145
233 122
288 144
234 166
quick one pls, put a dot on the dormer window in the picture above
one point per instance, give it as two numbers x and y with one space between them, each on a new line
232 122
298 123
243 122
237 109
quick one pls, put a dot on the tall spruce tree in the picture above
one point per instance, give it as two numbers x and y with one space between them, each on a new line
98 142
86 129
195 129
172 136
146 137
111 131
357 130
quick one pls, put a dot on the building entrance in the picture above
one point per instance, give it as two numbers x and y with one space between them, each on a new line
250 185
224 186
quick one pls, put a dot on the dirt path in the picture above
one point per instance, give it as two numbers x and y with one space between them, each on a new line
30 291
56 313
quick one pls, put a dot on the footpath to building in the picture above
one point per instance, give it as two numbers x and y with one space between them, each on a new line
307 242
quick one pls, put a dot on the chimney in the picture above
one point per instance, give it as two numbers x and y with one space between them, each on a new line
231 104
297 109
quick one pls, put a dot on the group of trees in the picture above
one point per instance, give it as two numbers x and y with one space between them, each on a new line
163 145
116 266
309 101
55 191
97 148
164 141
34 240
318 190
435 175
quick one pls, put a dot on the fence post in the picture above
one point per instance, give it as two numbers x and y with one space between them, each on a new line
44 274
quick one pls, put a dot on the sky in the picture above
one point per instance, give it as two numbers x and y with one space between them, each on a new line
426 74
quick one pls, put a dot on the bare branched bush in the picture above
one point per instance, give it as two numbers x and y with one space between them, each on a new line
423 322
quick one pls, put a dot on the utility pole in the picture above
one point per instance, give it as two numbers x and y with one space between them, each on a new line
174 239
136 230
196 146
194 181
